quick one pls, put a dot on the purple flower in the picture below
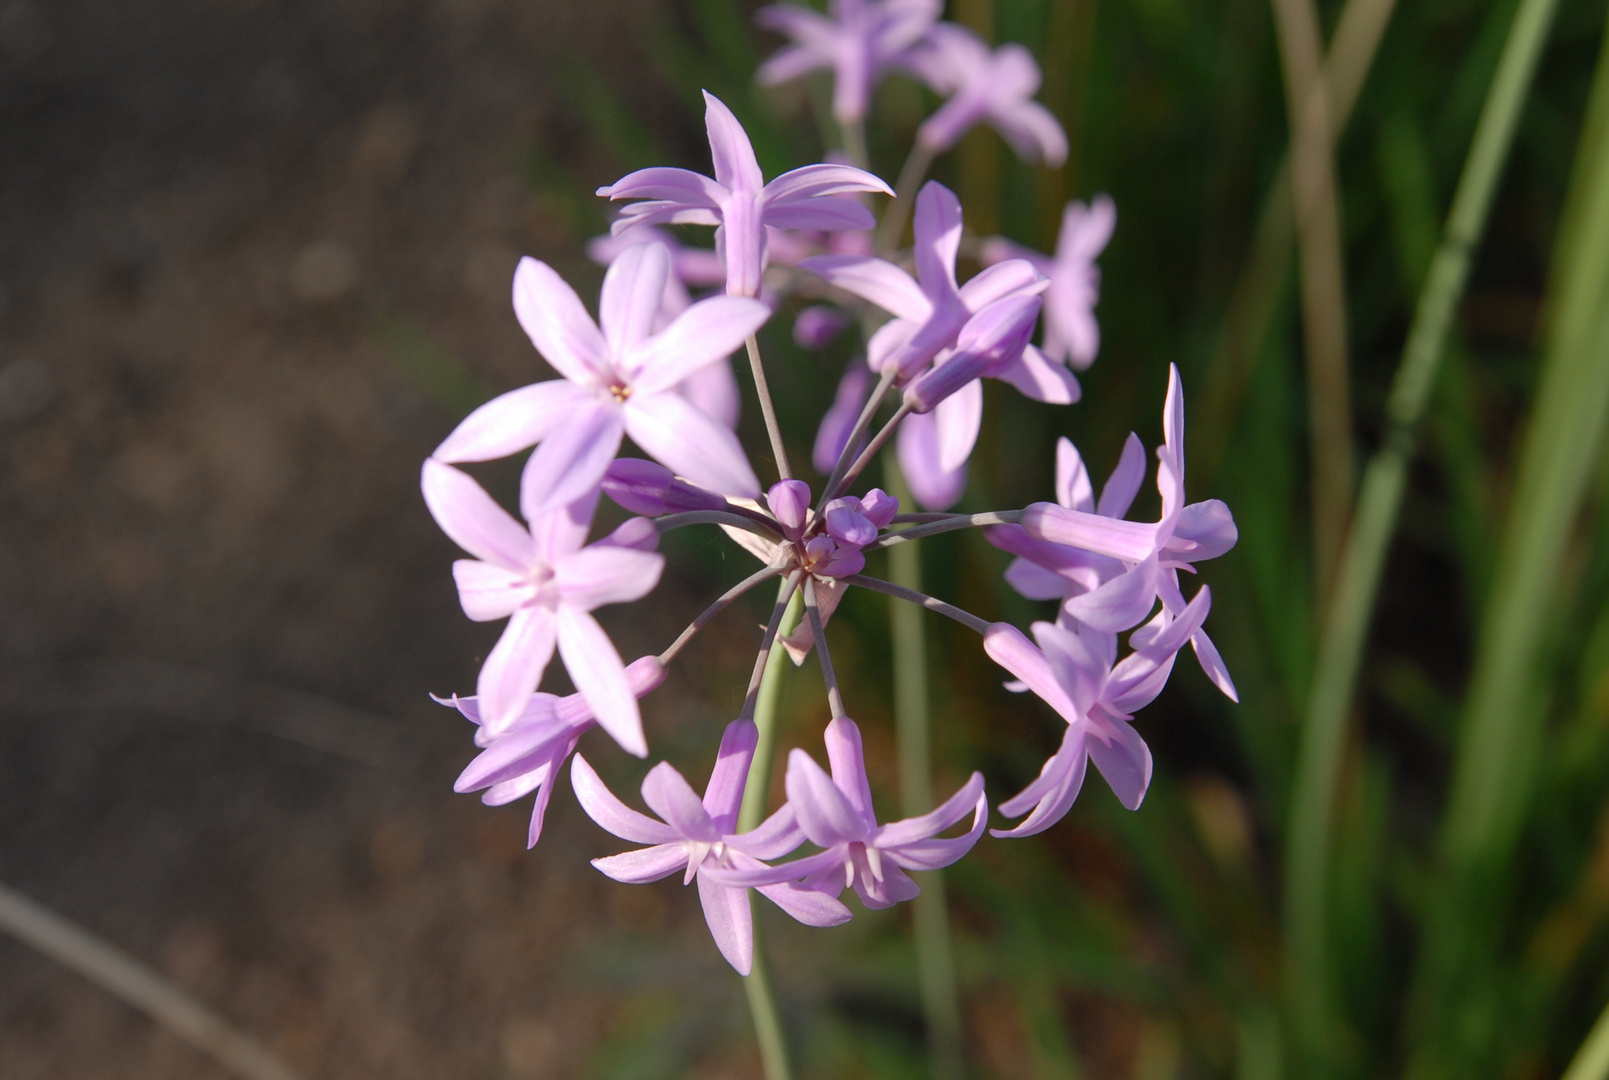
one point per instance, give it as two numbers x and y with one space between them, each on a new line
832 437
835 813
1153 553
618 381
545 583
713 389
526 755
818 326
695 836
1072 335
858 39
920 445
1046 571
740 202
994 87
1073 671
651 490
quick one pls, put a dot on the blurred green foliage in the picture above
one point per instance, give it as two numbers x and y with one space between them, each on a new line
1467 913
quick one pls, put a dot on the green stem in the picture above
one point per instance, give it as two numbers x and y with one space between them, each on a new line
1346 626
1591 1062
935 959
762 994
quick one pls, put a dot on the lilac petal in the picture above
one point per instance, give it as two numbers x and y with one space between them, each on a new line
610 813
731 922
1122 757
671 185
599 575
514 667
1014 277
848 525
1069 777
889 342
1117 605
1173 636
732 153
1210 526
1039 378
787 63
723 795
519 751
1073 487
958 420
561 531
645 864
806 905
894 888
670 796
938 239
1136 681
557 323
472 520
953 119
826 862
1035 582
571 461
928 825
709 331
512 422
836 426
848 762
643 214
1213 664
713 391
1033 132
1118 493
488 591
1131 541
818 326
934 854
690 443
814 181
539 809
1085 231
882 283
600 677
1051 774
1173 418
917 446
633 290
828 215
1008 647
826 816
773 838
637 534
1076 661
518 786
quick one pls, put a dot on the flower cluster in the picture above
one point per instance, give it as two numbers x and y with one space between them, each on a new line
654 367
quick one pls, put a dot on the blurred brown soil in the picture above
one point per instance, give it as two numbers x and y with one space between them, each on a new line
210 480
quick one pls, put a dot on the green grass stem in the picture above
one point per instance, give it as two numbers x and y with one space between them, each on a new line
1380 499
1591 1062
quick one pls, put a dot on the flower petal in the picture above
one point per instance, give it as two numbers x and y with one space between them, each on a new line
472 519
880 282
690 443
598 674
773 838
957 420
645 864
828 214
814 181
848 762
633 290
806 905
611 814
670 796
1039 378
1117 495
713 391
1073 487
570 463
709 331
723 795
488 591
1130 541
933 854
512 422
917 446
731 922
1117 605
1066 770
833 434
557 323
1012 277
1210 526
602 574
732 153
514 667
1008 647
928 825
938 239
664 184
826 816
1035 582
1122 757
1213 664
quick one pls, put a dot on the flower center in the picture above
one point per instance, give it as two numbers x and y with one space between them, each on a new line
620 391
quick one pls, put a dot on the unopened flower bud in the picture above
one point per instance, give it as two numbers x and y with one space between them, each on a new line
650 489
847 525
879 507
818 326
789 501
989 341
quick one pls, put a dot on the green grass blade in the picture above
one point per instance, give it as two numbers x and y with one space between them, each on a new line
1380 498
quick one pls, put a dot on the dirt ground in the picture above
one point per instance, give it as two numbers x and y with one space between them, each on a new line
223 601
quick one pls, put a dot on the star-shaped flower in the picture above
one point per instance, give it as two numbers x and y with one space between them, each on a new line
858 39
835 813
545 583
1072 336
695 836
740 202
527 754
1073 671
995 87
620 380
